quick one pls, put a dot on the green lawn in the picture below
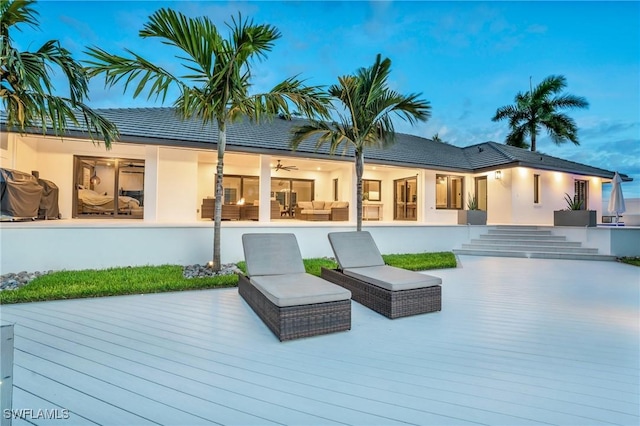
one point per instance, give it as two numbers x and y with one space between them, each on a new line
111 282
156 279
631 260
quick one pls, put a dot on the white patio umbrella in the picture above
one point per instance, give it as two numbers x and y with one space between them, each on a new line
616 201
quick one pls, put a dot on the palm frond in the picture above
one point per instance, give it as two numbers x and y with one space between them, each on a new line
325 132
14 13
27 87
250 39
195 36
562 128
549 86
156 80
537 109
569 101
517 137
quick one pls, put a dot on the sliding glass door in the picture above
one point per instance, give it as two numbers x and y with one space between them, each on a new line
108 187
289 192
406 199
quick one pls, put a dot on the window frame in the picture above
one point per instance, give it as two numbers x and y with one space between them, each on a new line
242 186
368 191
80 171
448 180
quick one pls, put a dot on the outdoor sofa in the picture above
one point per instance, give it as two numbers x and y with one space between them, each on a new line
390 291
292 303
322 210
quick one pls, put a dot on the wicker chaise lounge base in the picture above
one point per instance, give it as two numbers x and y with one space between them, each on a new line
293 322
391 304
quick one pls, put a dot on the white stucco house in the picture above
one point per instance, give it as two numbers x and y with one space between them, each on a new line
155 187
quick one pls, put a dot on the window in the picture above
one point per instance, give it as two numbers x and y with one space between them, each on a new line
449 190
108 187
536 189
582 193
237 187
289 192
371 190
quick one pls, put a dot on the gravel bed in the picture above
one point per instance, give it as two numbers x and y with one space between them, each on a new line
14 281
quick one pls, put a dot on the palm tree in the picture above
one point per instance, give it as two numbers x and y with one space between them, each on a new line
538 108
217 81
26 87
369 105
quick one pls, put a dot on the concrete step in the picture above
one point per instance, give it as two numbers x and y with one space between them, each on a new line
540 242
516 231
532 237
518 242
528 248
534 254
528 242
528 227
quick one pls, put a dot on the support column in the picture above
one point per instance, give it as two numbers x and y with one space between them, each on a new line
265 189
151 162
353 207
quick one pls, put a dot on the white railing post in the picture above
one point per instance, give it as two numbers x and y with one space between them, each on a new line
6 372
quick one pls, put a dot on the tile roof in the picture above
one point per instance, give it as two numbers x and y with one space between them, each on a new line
161 126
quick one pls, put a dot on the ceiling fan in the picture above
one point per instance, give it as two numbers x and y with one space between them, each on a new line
280 166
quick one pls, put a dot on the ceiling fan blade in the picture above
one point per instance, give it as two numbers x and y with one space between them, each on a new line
280 166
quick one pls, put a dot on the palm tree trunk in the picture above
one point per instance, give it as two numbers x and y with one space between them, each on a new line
219 194
533 139
359 172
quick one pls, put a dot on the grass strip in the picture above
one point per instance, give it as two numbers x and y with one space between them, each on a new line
422 261
630 260
412 262
157 279
111 282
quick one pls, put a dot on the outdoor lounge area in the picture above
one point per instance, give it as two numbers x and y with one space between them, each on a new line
518 341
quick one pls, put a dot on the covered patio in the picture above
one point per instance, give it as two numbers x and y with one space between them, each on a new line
518 341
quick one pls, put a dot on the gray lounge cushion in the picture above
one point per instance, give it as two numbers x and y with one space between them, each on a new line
392 278
355 249
298 289
272 254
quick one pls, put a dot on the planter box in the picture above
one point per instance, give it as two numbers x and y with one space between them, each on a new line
472 217
574 218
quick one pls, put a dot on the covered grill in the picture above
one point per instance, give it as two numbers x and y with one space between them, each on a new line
24 196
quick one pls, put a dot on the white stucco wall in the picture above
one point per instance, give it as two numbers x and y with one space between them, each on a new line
177 177
499 208
510 199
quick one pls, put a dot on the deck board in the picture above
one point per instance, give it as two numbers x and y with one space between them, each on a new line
519 341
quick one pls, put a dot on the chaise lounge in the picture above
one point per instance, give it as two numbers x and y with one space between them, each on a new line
392 292
292 303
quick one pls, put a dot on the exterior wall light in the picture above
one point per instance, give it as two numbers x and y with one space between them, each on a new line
498 174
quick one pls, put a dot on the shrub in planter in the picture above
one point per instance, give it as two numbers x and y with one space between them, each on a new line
472 216
573 215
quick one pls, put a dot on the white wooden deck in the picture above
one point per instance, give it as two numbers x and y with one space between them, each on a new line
519 341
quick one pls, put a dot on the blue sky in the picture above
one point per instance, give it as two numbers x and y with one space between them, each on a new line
466 58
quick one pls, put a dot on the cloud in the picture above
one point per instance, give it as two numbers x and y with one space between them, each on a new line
84 32
466 109
536 29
